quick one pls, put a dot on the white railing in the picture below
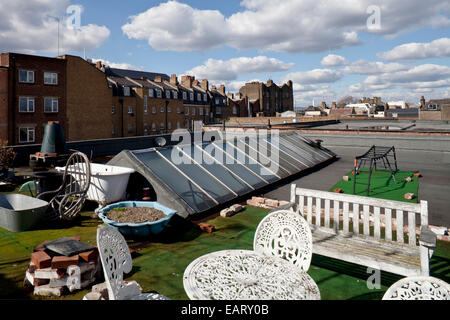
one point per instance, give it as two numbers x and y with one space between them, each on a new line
328 209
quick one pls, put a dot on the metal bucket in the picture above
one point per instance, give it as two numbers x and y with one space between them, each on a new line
19 212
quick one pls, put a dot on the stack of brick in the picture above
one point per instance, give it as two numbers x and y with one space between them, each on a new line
265 202
52 274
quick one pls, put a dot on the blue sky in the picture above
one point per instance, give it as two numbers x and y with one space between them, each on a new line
233 42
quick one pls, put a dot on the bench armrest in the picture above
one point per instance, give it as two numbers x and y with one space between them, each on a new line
427 237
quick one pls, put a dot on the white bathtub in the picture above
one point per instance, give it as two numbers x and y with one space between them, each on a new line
108 183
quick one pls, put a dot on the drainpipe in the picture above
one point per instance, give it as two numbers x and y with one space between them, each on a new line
165 126
121 117
13 104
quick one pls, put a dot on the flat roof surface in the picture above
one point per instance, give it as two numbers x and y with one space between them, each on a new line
409 126
434 186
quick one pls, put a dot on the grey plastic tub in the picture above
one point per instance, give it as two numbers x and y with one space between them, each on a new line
19 212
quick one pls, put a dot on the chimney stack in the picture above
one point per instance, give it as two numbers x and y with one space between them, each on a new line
422 102
333 105
269 82
158 79
222 89
98 64
324 105
205 84
196 83
174 79
187 81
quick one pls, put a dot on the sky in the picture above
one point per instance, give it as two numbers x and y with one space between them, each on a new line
396 49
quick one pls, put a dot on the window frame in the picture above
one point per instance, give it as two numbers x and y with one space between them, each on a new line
28 130
53 99
28 99
28 73
51 73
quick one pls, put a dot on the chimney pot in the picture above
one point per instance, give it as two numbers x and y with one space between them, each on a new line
98 64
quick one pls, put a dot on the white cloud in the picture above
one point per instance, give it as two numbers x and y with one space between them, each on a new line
30 26
333 60
366 67
418 50
314 76
279 25
230 69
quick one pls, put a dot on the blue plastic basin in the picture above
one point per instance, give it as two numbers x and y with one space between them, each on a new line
143 229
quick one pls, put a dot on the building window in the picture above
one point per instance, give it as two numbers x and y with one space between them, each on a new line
218 110
153 126
26 135
130 110
130 128
191 96
193 111
145 129
217 100
178 125
154 110
175 94
26 76
186 111
169 109
205 97
169 125
167 94
432 107
26 104
113 110
50 78
200 111
50 104
199 97
150 93
234 110
161 126
178 110
161 109
145 104
126 91
184 95
158 93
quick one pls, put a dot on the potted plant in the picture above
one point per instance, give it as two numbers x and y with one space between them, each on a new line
7 156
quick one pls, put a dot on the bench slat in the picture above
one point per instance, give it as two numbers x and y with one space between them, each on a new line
376 223
388 224
356 218
399 219
411 228
327 213
336 215
318 211
366 228
309 210
345 217
301 205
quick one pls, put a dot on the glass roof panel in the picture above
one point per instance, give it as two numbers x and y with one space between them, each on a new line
185 189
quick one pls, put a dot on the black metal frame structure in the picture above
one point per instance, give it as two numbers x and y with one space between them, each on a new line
373 155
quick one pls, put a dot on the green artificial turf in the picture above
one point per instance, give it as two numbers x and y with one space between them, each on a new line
159 263
381 185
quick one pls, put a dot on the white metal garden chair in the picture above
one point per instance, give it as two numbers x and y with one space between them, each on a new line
116 260
68 200
285 234
418 288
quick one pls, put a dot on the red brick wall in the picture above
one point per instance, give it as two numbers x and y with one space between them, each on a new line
37 119
4 104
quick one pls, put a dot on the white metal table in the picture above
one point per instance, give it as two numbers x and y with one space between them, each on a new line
246 275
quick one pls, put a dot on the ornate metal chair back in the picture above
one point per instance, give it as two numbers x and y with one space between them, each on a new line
287 235
69 198
418 288
116 259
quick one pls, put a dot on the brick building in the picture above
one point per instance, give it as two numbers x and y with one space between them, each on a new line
4 103
89 100
196 101
272 98
434 109
36 94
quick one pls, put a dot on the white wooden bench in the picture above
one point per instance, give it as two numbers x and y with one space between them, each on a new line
337 234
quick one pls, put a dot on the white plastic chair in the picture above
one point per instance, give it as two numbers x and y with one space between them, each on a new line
418 288
116 260
287 235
